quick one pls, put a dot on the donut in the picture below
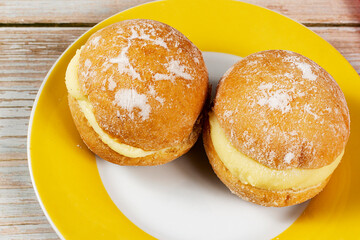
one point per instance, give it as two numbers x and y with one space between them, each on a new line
277 128
136 90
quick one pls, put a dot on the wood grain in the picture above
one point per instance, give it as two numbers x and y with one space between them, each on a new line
93 11
27 53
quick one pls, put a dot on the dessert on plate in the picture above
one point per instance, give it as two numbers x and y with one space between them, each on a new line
277 128
136 90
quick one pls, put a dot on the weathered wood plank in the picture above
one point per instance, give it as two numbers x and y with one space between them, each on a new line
38 236
93 11
23 220
14 174
16 210
32 231
17 196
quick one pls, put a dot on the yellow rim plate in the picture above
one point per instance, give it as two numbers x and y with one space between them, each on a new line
64 172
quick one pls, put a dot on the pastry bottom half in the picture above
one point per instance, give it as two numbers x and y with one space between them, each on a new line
264 197
97 146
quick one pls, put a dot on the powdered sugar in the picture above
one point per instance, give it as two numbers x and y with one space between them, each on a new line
160 100
129 99
112 84
228 113
279 100
142 35
161 76
95 41
177 69
308 109
304 67
306 70
124 65
264 86
174 67
293 133
288 157
152 92
289 75
87 63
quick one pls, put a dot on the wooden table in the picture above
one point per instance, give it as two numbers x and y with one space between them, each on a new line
32 36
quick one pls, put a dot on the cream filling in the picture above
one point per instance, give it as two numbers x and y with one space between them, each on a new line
73 86
251 172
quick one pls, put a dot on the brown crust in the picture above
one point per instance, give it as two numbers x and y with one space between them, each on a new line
283 110
94 143
249 193
163 73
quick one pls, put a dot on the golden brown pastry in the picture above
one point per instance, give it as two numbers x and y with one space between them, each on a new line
136 91
277 129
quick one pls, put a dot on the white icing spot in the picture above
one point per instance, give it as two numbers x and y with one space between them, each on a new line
143 36
272 155
328 109
289 75
304 67
301 94
87 63
196 60
176 68
95 41
278 100
152 92
288 157
307 108
291 59
124 65
129 99
249 141
160 76
306 71
252 63
112 84
293 133
106 66
228 113
160 100
267 86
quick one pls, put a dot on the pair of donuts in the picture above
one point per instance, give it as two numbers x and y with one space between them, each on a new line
274 134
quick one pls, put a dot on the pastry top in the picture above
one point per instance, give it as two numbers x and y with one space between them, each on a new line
283 110
146 81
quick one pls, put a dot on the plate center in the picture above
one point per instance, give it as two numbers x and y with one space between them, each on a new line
184 200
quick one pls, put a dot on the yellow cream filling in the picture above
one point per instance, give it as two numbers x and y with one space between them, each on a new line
73 86
251 172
